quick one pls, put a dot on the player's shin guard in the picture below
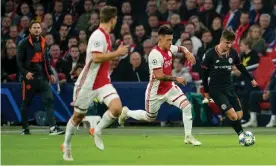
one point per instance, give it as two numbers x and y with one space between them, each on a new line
70 131
106 120
187 119
236 125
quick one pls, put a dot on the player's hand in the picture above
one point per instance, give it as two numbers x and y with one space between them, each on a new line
29 76
52 79
181 80
266 95
190 58
254 83
206 95
122 49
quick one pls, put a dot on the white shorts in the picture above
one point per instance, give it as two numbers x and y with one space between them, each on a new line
83 97
174 96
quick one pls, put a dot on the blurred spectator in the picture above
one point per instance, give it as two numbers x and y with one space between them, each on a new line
25 10
39 12
154 37
93 22
58 13
13 34
199 27
137 71
184 36
49 38
207 44
82 48
6 23
63 38
126 8
24 26
153 23
273 15
8 62
127 19
10 11
43 28
172 8
190 28
128 40
267 31
55 56
188 9
176 26
248 57
232 18
256 12
242 31
152 9
209 14
147 47
179 70
48 20
68 21
140 35
216 30
113 69
100 4
71 62
72 41
258 43
82 36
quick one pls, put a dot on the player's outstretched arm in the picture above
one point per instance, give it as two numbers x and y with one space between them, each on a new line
102 57
158 73
243 70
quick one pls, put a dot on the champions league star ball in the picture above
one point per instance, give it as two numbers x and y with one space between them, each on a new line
246 138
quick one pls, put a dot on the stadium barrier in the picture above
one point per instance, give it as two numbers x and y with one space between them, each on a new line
132 95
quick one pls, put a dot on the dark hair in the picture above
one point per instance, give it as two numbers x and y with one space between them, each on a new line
107 13
205 31
34 22
244 12
164 30
228 34
74 46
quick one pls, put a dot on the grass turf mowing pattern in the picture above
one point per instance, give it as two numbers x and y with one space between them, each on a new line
134 146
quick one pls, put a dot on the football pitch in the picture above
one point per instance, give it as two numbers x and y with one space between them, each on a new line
139 146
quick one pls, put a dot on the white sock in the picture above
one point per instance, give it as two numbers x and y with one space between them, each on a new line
273 118
70 131
137 114
106 120
253 116
187 119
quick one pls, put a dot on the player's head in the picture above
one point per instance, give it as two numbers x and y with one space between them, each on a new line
108 15
227 39
165 35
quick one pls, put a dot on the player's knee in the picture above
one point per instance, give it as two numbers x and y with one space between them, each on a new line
115 107
240 115
186 108
77 118
150 117
233 116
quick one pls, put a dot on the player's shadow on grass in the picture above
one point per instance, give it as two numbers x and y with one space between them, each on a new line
224 146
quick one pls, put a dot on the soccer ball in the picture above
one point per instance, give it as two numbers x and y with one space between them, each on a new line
246 138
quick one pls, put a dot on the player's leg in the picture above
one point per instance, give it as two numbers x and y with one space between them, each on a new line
82 98
177 98
254 99
272 99
48 101
109 96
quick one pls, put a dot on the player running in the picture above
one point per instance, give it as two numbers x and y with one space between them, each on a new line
94 82
161 87
217 63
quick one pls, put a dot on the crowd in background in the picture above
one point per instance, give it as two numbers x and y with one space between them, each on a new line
197 25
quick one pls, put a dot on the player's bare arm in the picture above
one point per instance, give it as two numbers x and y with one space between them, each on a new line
102 57
188 55
158 73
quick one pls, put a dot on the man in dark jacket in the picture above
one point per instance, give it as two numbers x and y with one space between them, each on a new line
34 66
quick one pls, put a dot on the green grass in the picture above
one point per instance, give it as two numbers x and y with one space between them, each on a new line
140 146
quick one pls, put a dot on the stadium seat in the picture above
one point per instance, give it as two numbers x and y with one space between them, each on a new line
262 75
